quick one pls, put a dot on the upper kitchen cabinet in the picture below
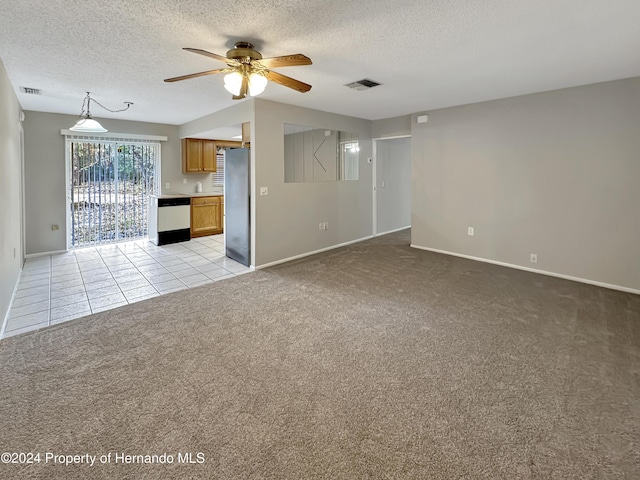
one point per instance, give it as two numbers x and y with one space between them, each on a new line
198 155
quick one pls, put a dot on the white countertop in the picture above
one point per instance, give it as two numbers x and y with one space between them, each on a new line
182 195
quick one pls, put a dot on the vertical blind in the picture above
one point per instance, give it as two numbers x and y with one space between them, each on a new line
110 182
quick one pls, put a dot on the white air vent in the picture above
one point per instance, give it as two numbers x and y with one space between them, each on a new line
31 91
364 84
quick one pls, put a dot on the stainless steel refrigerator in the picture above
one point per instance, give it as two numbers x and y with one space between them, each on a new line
237 230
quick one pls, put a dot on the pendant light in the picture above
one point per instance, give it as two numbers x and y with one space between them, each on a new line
86 124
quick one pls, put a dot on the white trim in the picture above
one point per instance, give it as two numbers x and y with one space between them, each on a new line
13 295
408 135
67 192
130 136
23 204
392 231
374 192
302 255
533 270
44 254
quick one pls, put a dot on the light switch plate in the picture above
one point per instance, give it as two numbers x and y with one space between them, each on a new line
264 190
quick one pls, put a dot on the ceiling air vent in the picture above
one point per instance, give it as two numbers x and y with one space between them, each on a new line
363 84
31 91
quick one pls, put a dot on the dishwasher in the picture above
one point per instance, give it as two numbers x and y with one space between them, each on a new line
169 220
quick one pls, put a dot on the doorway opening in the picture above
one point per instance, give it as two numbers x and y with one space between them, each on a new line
391 184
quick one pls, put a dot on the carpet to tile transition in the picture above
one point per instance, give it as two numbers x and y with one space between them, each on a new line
370 361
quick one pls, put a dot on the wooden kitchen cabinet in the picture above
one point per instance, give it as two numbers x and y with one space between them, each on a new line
206 216
198 155
246 134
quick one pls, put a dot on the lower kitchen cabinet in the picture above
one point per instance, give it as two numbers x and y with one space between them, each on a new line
206 216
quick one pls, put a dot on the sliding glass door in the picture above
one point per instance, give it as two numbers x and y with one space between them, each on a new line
108 191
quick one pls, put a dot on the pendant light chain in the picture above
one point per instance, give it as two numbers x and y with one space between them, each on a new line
128 104
86 124
86 105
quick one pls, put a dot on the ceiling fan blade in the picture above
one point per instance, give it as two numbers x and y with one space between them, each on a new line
243 89
288 81
194 75
228 61
285 61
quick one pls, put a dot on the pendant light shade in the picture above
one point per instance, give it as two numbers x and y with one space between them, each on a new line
88 125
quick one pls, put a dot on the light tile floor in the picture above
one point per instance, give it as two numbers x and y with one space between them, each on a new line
61 287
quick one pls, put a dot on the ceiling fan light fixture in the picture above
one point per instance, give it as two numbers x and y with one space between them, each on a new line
233 82
247 72
257 84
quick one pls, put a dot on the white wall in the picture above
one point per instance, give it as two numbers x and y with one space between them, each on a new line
285 222
235 115
11 254
45 187
392 127
287 219
393 184
554 173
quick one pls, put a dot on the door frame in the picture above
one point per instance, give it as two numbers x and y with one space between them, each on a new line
374 178
122 138
23 196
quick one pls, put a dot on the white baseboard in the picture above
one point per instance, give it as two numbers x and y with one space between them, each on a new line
44 254
392 231
302 255
13 296
533 270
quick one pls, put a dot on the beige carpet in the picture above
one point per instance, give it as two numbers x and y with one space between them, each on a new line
370 361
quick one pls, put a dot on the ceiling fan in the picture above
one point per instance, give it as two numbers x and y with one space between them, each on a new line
247 72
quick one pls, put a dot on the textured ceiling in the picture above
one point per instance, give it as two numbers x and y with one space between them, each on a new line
427 54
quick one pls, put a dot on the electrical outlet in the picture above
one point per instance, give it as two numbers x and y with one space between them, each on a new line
55 227
184 181
470 231
534 258
264 190
167 185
